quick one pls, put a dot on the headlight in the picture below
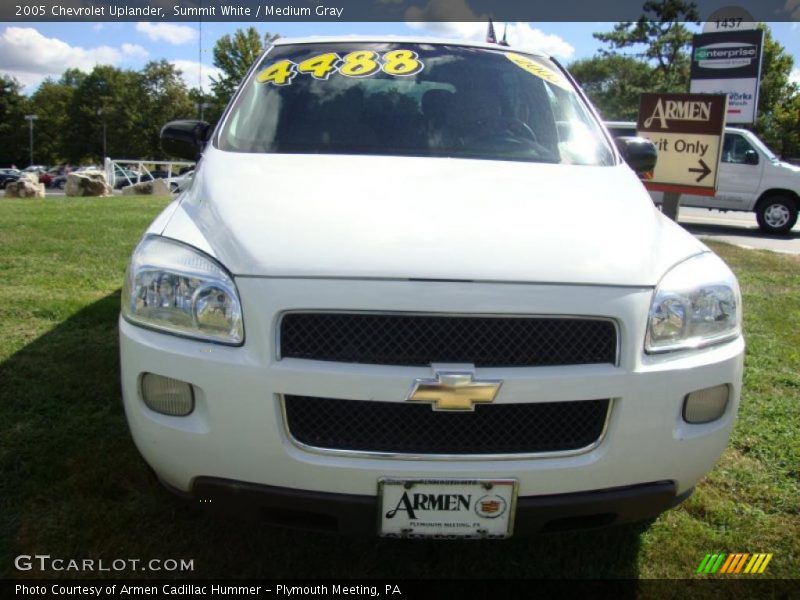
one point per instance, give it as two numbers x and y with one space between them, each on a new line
174 288
696 304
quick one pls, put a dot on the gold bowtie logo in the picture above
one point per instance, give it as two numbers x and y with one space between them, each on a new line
454 391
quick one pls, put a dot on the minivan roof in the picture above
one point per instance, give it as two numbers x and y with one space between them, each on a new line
401 39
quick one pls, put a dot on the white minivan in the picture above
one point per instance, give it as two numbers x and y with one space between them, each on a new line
368 313
751 178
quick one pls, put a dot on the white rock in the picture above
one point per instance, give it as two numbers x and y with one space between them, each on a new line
25 187
157 187
32 177
87 183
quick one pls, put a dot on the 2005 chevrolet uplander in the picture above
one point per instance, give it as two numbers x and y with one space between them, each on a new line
368 314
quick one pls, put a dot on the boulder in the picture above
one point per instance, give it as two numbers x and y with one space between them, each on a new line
27 186
157 187
87 183
32 177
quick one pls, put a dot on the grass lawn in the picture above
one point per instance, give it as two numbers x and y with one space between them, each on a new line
72 484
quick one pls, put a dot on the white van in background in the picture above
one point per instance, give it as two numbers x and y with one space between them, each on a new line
751 178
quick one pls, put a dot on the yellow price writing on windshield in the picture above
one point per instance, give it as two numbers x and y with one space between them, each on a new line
361 63
542 72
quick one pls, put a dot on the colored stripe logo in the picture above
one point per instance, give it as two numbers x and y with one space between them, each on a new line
742 562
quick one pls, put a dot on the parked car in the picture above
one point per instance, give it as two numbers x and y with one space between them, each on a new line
44 176
181 182
396 331
7 176
751 178
125 177
59 181
159 174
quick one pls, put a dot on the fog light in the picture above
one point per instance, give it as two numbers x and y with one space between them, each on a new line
166 395
706 405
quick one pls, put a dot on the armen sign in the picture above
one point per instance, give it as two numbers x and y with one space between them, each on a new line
687 130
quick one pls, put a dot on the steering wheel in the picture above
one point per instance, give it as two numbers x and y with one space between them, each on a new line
502 128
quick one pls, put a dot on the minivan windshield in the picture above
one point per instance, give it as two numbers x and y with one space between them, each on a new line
413 100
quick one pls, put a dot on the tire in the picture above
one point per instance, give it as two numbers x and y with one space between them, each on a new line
776 214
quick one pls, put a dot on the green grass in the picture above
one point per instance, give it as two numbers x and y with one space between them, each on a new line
73 485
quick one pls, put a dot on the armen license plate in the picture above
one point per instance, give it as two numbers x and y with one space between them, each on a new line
447 508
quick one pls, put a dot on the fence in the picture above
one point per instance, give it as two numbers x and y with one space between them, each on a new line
135 171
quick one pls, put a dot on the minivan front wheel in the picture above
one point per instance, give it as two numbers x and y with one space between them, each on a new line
776 214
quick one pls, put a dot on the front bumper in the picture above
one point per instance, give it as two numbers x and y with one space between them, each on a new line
353 514
237 430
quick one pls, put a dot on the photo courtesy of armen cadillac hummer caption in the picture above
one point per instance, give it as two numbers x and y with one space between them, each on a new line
414 289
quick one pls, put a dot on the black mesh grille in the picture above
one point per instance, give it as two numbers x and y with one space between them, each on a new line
419 340
405 428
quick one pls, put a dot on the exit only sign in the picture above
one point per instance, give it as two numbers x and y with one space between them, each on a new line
687 130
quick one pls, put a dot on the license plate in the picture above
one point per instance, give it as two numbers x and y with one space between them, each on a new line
447 508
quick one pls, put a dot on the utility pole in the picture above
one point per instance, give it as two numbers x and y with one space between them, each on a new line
100 114
202 106
30 119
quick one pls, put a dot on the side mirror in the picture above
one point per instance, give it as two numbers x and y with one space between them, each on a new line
639 153
751 157
185 138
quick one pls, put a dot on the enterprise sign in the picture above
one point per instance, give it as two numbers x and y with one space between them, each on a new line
726 56
729 62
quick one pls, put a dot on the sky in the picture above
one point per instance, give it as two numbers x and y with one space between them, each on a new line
32 51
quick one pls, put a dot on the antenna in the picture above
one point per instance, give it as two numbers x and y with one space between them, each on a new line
200 59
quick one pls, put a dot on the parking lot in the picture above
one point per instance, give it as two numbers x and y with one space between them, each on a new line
737 228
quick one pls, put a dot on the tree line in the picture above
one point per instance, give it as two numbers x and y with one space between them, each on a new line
122 108
651 54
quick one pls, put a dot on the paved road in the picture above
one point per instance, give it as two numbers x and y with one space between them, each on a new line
738 228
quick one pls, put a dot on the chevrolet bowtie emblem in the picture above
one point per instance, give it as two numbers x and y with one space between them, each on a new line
454 390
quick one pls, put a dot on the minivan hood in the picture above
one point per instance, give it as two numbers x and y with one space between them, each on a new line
426 218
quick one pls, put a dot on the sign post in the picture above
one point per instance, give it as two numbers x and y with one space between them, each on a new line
687 130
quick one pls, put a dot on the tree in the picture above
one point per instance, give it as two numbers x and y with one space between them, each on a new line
72 78
13 127
778 121
614 84
51 102
212 109
234 55
117 98
661 38
166 98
